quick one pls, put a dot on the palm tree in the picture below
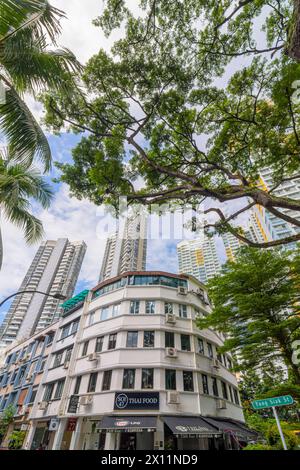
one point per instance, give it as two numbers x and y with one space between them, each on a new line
27 65
20 183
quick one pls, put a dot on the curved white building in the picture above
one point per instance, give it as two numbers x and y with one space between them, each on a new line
130 369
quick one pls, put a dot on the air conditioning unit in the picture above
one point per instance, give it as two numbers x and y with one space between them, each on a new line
170 318
182 290
200 294
24 409
93 357
173 398
171 352
86 400
221 405
215 363
66 365
43 405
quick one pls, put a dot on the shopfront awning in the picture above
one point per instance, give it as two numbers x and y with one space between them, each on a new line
189 426
127 424
232 427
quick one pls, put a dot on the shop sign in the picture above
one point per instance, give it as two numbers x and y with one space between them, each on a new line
71 425
137 401
73 404
53 424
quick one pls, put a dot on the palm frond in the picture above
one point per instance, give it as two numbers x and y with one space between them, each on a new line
22 218
24 135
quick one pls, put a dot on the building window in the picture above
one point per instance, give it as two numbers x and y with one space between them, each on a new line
135 307
215 387
229 363
168 308
85 348
220 358
106 380
169 339
188 382
104 313
112 341
185 343
236 396
147 378
48 392
92 382
132 339
205 384
59 389
224 390
149 339
58 359
200 346
170 379
129 378
150 307
230 393
99 344
116 310
77 385
210 350
182 311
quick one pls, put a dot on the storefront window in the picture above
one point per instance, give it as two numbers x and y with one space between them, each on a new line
128 378
149 339
132 339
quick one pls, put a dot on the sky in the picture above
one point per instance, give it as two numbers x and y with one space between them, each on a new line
67 217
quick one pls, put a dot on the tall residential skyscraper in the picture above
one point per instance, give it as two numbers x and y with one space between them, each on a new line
55 269
288 189
199 258
232 244
126 250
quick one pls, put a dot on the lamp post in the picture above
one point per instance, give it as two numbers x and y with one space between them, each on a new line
57 295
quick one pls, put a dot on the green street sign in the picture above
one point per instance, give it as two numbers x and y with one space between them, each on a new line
271 402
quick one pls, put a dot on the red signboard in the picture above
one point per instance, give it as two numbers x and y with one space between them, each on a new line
71 426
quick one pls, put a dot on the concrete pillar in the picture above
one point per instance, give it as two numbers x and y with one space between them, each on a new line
111 441
59 435
30 435
74 445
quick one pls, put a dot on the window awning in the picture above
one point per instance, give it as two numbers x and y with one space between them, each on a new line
240 430
127 424
188 426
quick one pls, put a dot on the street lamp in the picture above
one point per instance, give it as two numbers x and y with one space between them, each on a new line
57 295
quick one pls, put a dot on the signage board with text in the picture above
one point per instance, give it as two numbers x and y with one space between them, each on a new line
136 401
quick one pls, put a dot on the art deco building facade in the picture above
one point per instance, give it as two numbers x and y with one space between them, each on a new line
55 269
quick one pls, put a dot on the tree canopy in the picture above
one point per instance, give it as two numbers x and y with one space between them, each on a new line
256 305
158 108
